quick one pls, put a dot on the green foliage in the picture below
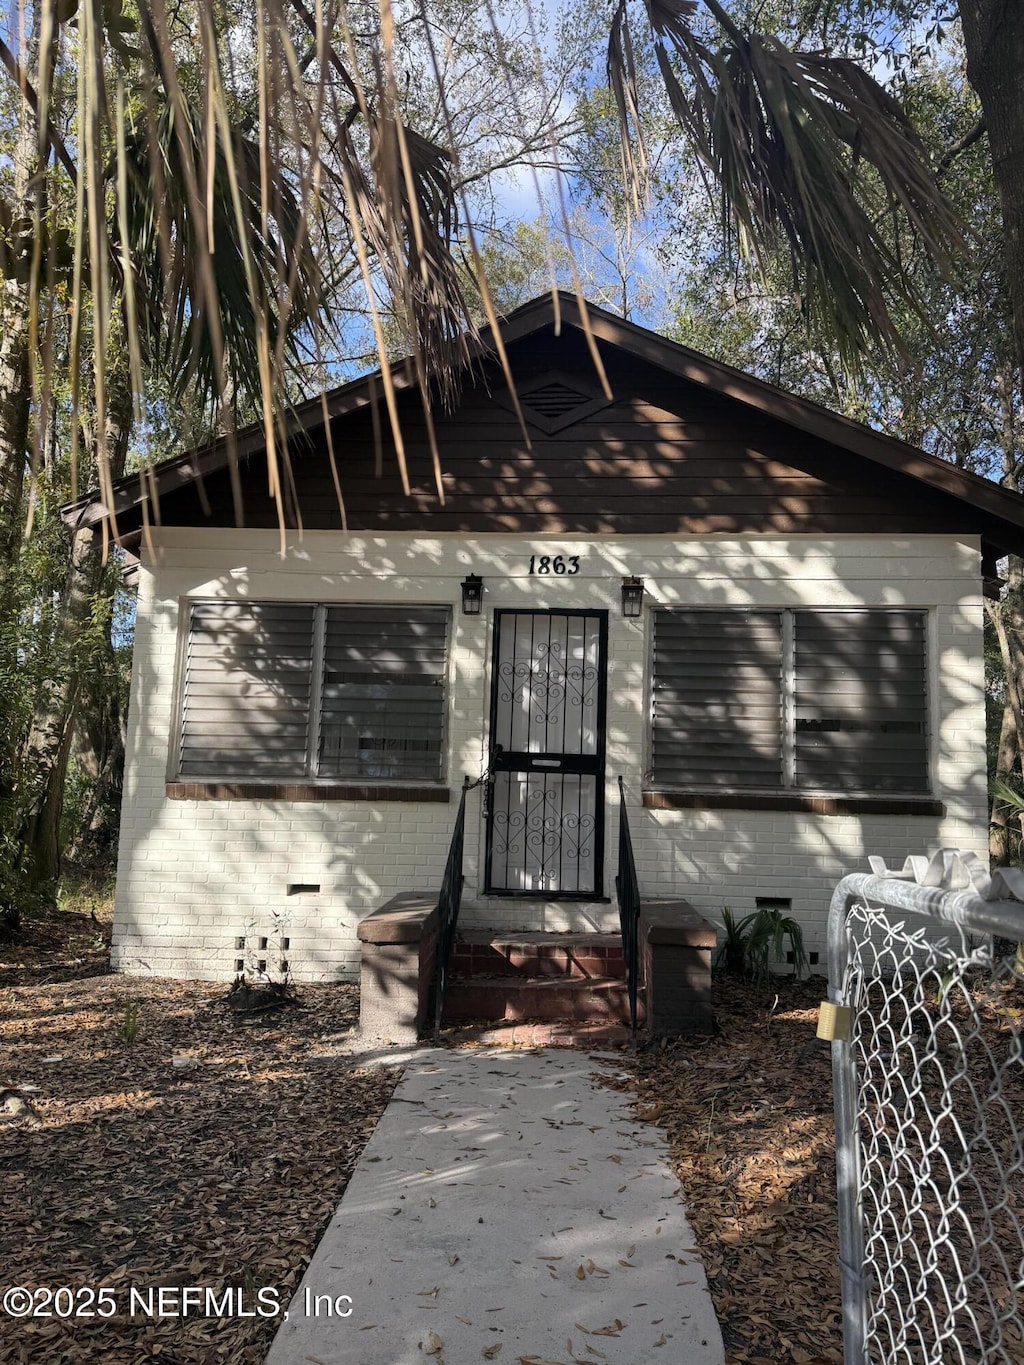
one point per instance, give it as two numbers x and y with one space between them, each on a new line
770 931
1009 795
86 893
757 940
812 159
732 952
19 897
955 392
1008 801
128 1030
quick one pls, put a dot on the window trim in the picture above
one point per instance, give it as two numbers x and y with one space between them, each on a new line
307 786
220 789
788 795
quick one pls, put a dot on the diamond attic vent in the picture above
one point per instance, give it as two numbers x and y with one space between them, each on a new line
554 400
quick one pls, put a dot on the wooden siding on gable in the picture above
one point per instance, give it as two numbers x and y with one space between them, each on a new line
665 456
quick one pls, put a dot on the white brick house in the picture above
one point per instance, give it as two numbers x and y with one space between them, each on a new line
803 684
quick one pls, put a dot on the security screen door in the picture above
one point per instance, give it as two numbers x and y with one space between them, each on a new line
545 809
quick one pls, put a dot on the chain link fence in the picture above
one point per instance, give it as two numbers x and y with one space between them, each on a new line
925 1013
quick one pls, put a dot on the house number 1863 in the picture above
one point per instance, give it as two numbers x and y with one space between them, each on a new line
558 564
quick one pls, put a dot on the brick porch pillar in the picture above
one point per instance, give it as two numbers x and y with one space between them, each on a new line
396 972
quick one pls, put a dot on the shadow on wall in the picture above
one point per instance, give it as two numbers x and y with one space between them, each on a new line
196 876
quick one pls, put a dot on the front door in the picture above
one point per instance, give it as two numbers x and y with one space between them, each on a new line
545 808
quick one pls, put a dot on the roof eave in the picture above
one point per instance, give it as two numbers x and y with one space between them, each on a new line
1002 506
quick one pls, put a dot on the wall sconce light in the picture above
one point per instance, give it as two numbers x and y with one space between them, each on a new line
632 597
472 595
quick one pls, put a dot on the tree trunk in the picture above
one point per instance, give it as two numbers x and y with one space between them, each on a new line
1000 837
15 403
29 192
44 765
1004 836
48 746
15 419
99 751
994 39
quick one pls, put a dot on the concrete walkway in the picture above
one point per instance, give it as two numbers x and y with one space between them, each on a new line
506 1207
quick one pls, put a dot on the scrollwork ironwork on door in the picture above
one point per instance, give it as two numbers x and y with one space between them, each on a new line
548 683
546 799
543 834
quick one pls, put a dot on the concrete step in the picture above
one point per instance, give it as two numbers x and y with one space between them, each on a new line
519 954
561 999
569 1033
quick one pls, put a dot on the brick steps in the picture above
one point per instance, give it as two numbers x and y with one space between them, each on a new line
539 955
544 987
570 979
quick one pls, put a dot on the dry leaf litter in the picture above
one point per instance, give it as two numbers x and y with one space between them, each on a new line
748 1118
121 1168
126 1169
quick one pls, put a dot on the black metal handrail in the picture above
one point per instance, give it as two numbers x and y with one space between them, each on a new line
448 901
627 893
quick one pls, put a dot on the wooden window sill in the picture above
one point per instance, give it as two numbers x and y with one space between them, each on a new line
303 791
794 801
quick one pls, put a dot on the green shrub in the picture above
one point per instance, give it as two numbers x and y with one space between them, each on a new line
753 943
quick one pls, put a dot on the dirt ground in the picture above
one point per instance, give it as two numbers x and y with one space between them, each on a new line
125 1170
748 1116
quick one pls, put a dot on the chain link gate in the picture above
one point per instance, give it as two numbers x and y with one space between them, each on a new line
925 1018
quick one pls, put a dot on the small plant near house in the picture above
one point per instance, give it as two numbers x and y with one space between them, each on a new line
753 943
732 952
128 1030
264 983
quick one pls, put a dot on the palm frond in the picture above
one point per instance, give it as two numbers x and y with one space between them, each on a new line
1008 795
811 155
161 243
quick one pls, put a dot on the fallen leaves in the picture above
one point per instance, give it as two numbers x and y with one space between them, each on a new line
611 1330
223 1173
748 1117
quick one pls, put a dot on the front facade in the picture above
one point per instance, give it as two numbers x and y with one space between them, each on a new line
766 621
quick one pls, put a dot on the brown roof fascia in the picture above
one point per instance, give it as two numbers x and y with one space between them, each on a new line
171 474
130 491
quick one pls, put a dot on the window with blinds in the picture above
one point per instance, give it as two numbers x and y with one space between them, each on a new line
289 690
248 689
717 699
833 701
860 705
382 711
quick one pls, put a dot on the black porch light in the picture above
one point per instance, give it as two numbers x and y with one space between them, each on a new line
472 594
632 596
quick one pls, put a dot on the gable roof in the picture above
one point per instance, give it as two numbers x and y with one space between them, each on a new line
998 511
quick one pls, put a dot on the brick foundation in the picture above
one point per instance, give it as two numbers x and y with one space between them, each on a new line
675 964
